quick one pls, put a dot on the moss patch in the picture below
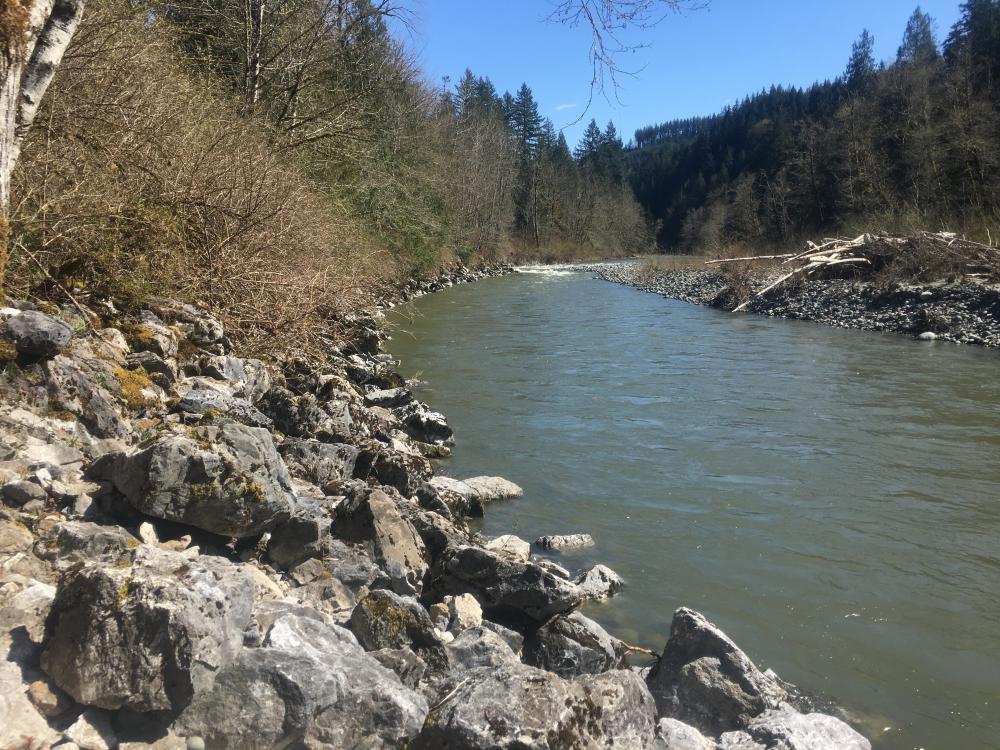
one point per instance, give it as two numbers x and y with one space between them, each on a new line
133 382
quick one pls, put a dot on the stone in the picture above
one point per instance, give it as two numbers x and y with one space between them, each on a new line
510 546
386 620
409 667
513 639
14 538
705 680
303 417
928 336
389 398
508 591
489 489
19 719
423 424
305 534
312 685
150 335
572 645
212 403
48 699
37 335
568 541
478 647
456 495
405 472
147 635
675 735
784 728
83 385
163 372
21 492
464 612
69 543
600 582
249 377
92 731
319 463
373 518
328 596
516 707
226 479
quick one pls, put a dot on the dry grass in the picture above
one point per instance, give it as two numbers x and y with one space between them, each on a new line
139 181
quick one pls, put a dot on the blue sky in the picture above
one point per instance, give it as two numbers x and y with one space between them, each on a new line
694 63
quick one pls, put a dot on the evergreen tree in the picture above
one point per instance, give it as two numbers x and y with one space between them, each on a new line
590 143
918 44
861 66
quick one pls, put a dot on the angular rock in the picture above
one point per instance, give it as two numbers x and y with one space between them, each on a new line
70 543
515 707
319 463
572 645
249 377
785 728
567 541
147 636
82 385
464 613
226 479
509 591
205 401
456 495
37 335
20 721
305 534
479 647
425 425
19 493
511 547
389 398
386 620
93 731
162 371
489 489
373 518
600 582
406 473
705 680
48 699
303 417
675 735
409 667
151 335
311 684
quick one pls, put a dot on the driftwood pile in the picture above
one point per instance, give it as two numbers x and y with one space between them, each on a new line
875 251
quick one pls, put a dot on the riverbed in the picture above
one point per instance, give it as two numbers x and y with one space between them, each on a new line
830 498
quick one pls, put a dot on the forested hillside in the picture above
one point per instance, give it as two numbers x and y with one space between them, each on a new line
286 158
911 144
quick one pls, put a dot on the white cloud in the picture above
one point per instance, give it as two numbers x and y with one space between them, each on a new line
561 107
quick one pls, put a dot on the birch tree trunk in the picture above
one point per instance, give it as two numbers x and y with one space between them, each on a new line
34 35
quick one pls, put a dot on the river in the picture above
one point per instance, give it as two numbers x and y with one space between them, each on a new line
830 498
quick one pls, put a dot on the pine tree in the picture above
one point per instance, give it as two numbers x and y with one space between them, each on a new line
861 67
918 44
590 143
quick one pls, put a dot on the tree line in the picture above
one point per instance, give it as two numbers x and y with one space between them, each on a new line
914 143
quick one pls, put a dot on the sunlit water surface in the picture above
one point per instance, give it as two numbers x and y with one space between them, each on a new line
830 498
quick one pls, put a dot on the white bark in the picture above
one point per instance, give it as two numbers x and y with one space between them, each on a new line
26 70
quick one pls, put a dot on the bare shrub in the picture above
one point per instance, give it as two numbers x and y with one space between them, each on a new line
141 181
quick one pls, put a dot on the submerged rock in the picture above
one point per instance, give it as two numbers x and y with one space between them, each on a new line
568 541
704 679
488 489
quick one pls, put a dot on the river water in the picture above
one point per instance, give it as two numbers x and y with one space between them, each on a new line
830 498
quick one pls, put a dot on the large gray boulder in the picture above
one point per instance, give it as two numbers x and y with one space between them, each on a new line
37 335
373 518
211 402
226 479
386 620
599 582
319 463
704 679
310 684
676 735
516 707
488 489
149 633
248 377
572 645
785 728
521 593
305 534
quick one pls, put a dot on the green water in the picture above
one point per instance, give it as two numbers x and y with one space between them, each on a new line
830 498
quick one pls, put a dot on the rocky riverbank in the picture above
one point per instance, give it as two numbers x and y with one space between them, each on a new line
962 312
199 549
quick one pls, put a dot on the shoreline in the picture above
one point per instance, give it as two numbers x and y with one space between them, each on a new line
185 530
963 313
